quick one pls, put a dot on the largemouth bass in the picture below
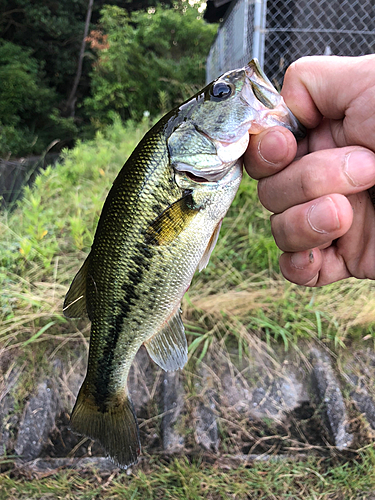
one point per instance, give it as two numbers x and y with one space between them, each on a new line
159 224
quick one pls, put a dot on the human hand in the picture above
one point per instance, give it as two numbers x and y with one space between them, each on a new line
323 217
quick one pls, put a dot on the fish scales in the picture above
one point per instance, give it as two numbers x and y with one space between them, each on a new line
125 292
159 223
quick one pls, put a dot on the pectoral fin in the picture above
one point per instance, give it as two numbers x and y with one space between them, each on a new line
211 245
168 347
75 300
170 223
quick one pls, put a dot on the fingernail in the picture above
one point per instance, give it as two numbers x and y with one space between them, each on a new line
273 147
359 167
300 260
323 217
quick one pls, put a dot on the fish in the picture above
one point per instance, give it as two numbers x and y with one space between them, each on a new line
159 224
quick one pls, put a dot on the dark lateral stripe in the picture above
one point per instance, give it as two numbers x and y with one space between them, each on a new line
127 303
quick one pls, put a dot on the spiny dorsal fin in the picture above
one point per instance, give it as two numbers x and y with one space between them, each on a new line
211 245
75 300
168 347
170 223
254 65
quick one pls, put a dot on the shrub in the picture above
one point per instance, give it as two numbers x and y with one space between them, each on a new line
149 61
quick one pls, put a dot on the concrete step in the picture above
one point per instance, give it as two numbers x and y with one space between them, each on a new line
261 405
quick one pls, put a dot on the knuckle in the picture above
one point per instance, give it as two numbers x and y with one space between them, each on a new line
292 232
309 183
297 68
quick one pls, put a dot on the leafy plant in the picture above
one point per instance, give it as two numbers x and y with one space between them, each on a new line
149 60
28 121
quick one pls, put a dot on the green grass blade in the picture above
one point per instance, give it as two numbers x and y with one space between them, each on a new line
39 333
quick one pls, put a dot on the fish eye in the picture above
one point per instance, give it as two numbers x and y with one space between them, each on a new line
221 90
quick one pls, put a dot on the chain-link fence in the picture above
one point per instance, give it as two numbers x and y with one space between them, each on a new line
278 32
234 41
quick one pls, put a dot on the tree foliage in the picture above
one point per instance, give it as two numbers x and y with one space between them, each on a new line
151 61
26 102
21 89
44 39
53 30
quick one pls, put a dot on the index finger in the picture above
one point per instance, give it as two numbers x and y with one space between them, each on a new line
334 87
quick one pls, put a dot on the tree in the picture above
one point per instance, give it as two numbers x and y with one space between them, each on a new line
160 63
48 33
70 105
53 30
24 99
152 61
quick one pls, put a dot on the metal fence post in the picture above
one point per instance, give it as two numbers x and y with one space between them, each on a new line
260 13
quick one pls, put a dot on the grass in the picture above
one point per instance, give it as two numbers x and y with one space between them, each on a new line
239 302
194 479
45 238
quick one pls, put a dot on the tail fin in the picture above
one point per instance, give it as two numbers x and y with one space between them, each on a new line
114 426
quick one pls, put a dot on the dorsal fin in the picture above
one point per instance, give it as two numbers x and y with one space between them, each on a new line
168 347
211 245
75 300
170 223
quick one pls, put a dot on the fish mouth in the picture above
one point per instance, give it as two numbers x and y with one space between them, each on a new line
201 176
212 176
227 154
273 110
193 177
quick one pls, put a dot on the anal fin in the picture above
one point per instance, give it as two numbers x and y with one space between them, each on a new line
168 347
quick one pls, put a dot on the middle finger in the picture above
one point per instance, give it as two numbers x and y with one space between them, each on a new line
313 224
345 171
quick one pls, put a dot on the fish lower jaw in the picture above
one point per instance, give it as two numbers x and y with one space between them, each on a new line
204 176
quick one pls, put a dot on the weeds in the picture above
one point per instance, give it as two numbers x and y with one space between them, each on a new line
194 479
47 237
238 303
41 240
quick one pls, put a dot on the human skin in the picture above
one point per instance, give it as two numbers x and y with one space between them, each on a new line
323 217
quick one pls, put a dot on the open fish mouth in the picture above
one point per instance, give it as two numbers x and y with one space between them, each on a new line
226 173
205 175
227 154
271 109
239 104
194 177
